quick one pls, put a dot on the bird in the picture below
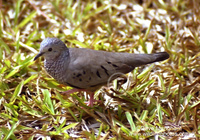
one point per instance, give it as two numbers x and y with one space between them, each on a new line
87 69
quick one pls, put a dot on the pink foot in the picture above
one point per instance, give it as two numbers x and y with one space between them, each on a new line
92 100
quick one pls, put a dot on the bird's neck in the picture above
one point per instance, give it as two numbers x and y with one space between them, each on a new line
56 66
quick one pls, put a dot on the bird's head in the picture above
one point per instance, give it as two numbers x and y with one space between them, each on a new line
51 48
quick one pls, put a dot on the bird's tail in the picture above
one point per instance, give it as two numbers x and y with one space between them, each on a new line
160 56
143 59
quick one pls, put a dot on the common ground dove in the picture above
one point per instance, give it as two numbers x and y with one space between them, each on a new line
87 69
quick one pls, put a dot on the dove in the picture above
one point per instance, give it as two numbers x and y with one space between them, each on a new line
86 69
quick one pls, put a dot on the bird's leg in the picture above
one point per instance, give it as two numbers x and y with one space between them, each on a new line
91 100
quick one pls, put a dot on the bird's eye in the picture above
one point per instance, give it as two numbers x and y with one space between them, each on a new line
50 49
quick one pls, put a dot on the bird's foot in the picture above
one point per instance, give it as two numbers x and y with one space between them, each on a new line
90 103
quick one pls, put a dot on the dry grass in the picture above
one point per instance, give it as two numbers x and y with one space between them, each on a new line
159 101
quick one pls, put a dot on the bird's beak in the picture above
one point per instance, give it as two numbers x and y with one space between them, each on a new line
38 55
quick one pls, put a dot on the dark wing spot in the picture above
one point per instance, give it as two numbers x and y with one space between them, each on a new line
83 72
105 70
114 65
78 75
98 74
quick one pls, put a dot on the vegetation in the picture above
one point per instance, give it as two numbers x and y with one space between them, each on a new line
157 101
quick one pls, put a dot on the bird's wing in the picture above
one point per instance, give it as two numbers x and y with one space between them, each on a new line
89 69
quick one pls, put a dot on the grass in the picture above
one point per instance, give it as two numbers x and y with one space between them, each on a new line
157 101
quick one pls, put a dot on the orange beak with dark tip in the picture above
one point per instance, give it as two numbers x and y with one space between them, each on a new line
38 55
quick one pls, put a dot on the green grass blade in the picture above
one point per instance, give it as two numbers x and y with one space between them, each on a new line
72 125
17 91
130 120
5 46
11 132
27 19
159 110
30 78
47 101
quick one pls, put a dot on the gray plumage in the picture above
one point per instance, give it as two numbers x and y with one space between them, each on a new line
86 68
